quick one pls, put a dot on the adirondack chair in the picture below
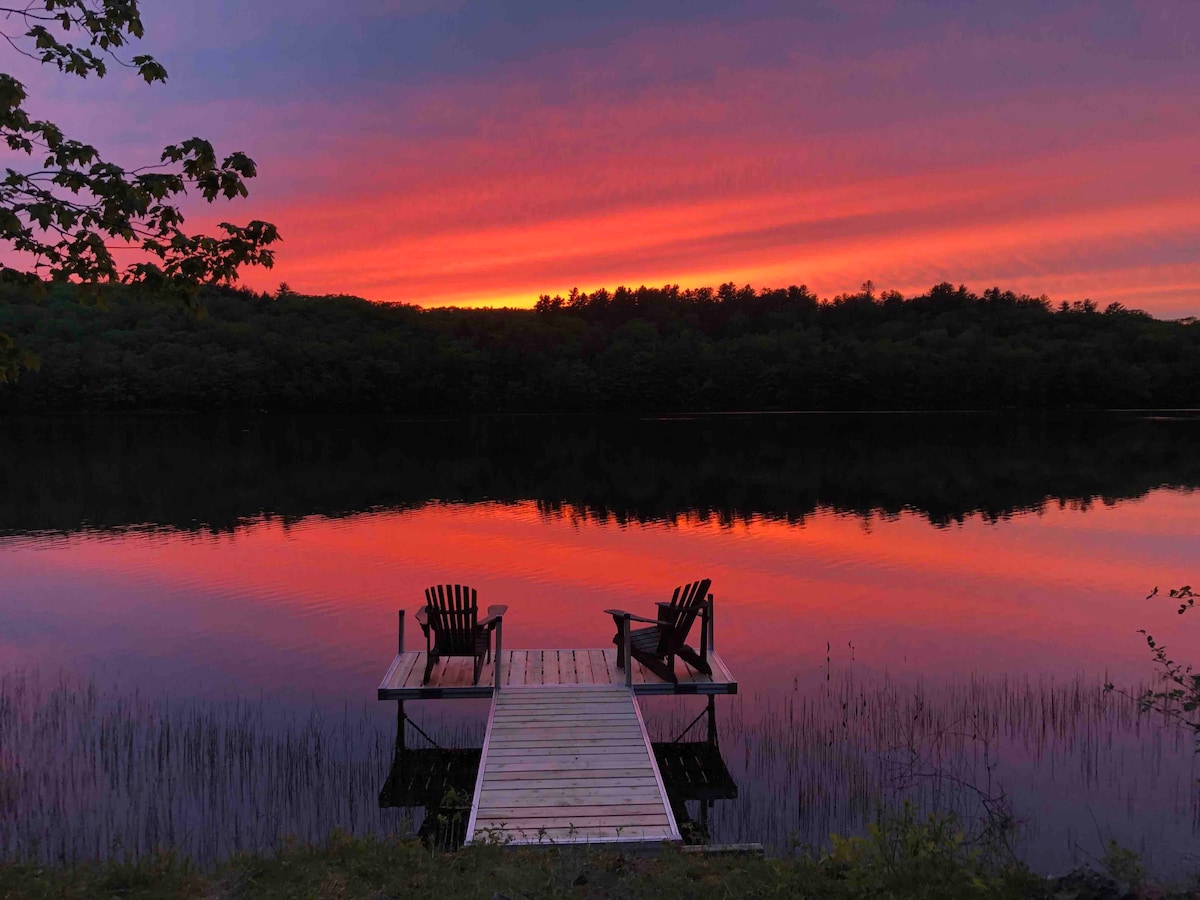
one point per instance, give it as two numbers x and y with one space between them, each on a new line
450 622
656 646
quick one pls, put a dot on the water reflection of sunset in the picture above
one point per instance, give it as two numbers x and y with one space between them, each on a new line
311 605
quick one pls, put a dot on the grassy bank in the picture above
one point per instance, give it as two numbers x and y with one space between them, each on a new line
926 860
905 858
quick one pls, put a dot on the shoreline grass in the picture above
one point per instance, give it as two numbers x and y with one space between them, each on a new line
908 858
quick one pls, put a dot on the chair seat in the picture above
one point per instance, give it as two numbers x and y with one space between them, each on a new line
481 647
642 640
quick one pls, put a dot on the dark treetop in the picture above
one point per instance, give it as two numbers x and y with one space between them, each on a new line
645 350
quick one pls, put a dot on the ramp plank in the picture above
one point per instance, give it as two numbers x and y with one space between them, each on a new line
568 764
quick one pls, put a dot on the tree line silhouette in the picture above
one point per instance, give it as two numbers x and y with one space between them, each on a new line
637 350
217 472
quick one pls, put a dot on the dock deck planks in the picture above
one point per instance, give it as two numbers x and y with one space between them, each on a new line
451 677
568 763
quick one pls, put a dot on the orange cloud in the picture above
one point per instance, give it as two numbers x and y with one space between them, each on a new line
543 203
696 151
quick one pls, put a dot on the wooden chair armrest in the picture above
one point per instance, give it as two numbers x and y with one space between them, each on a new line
620 614
495 614
422 618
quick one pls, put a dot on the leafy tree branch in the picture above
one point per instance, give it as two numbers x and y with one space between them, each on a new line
1178 694
72 208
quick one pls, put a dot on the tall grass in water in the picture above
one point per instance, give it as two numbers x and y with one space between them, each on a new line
87 772
92 773
1070 766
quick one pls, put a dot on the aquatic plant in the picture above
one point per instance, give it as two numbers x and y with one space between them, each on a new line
1051 769
1178 696
92 772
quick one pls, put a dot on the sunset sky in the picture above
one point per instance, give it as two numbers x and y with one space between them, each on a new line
487 151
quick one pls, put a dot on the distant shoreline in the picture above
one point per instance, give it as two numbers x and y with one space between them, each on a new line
65 472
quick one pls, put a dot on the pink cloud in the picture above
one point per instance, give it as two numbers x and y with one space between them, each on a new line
651 160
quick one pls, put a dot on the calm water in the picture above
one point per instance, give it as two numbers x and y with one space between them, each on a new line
911 604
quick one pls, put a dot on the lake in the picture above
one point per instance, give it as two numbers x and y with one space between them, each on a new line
195 613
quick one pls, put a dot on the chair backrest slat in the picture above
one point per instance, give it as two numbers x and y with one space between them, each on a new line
677 622
453 615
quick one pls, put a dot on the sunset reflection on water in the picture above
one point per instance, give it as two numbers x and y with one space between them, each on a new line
308 607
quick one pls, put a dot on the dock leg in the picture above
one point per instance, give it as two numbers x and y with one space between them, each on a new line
712 719
401 720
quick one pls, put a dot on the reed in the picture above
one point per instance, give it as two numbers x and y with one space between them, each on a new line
94 773
1052 769
89 772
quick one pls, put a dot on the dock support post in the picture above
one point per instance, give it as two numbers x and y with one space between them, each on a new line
499 632
628 658
712 719
400 634
401 719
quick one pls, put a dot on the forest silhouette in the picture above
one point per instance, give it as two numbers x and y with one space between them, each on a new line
644 350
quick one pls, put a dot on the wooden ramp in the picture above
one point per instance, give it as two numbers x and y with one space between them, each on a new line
568 764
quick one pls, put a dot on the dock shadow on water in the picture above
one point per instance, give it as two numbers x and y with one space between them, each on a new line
89 772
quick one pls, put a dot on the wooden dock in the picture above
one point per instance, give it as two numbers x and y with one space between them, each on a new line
451 677
568 764
566 758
